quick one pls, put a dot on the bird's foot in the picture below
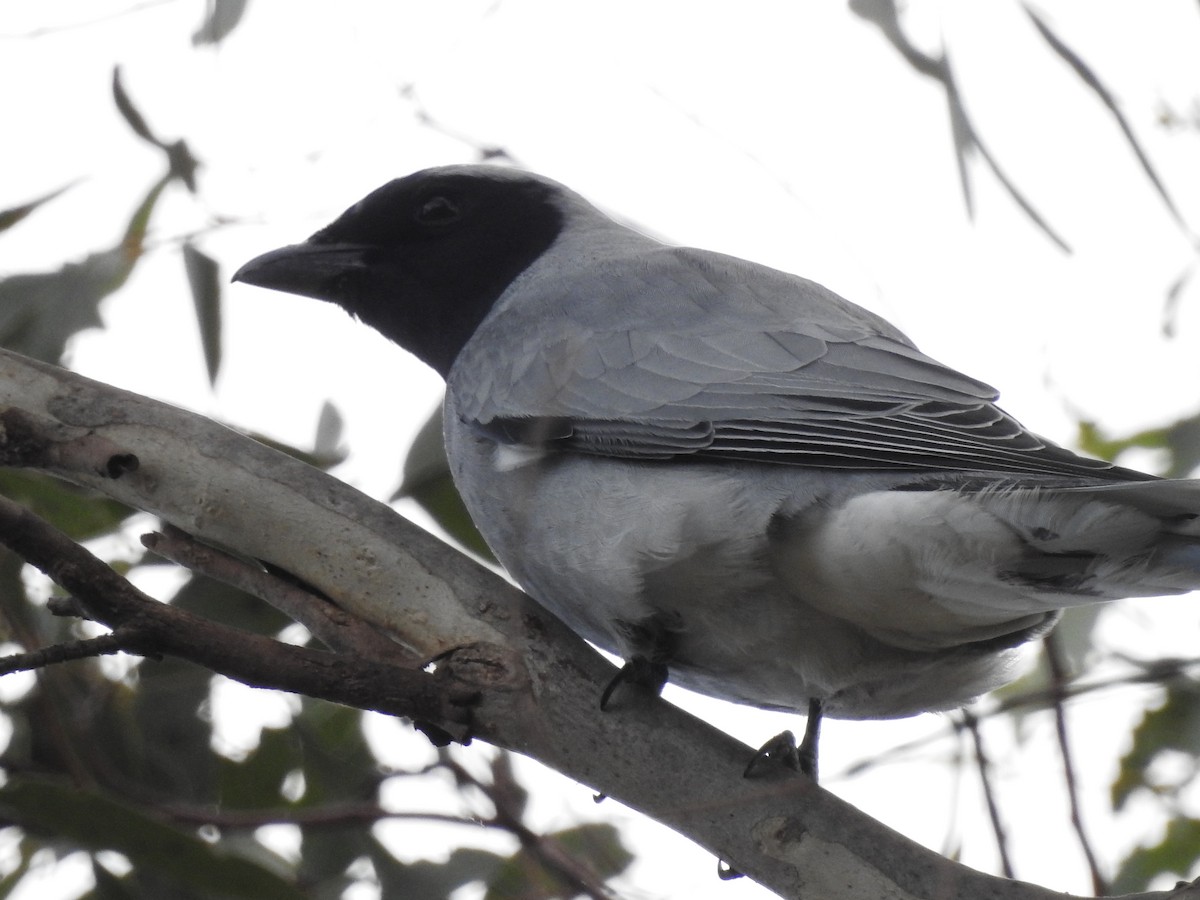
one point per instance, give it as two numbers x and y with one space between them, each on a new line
778 751
782 749
640 672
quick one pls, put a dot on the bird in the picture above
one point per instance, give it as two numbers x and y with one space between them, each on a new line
725 474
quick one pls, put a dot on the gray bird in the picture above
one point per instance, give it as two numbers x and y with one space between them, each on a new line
716 469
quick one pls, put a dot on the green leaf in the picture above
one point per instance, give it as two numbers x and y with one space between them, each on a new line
427 480
596 846
1180 439
204 280
222 603
433 879
255 782
108 886
10 881
1176 853
100 822
1174 726
39 312
80 513
14 214
155 735
338 764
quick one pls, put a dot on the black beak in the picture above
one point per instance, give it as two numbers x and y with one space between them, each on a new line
308 269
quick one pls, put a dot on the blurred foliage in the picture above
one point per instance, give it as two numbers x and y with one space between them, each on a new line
427 480
1177 854
1180 441
1163 762
1171 728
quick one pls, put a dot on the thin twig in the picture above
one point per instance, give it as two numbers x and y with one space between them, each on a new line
971 723
1058 681
64 652
84 23
575 873
1154 672
335 814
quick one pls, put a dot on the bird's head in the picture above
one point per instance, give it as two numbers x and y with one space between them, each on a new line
423 258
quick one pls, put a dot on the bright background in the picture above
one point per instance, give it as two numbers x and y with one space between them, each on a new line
789 133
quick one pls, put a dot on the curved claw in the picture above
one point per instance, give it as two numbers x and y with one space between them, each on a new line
640 672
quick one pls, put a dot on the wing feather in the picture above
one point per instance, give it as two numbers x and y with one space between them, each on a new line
726 360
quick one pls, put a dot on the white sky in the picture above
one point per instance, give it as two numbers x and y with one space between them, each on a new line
789 133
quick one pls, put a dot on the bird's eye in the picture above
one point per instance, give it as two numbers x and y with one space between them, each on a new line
438 210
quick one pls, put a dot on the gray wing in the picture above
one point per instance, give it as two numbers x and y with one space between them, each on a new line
810 380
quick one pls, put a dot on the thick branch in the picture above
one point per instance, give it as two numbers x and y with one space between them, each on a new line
538 684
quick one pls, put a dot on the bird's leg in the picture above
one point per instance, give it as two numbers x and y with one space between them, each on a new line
807 752
782 749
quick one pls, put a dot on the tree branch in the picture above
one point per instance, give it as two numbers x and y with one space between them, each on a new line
333 626
59 653
142 625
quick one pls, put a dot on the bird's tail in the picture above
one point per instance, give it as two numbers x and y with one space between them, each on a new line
1103 542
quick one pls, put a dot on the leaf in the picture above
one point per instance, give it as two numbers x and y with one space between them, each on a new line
133 118
427 480
1093 82
222 17
255 782
314 458
1173 726
1181 440
181 163
330 425
108 886
10 881
598 847
1177 853
338 768
1175 292
204 281
433 879
338 764
80 513
13 215
100 822
155 735
40 311
222 603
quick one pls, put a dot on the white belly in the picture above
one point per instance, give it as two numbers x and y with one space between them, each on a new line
607 544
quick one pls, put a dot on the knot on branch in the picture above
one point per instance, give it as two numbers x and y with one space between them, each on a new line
31 441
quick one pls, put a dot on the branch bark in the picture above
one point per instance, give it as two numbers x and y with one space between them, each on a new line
538 685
